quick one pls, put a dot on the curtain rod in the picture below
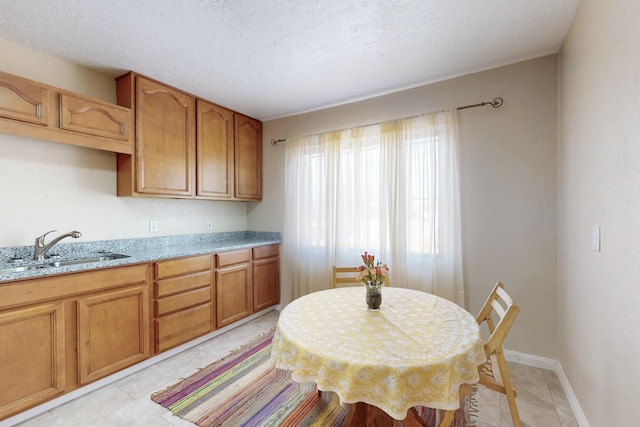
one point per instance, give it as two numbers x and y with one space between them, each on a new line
495 103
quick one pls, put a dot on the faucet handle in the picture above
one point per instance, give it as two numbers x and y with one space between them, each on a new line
41 238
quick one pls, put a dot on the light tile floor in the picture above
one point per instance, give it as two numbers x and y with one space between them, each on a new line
126 403
541 401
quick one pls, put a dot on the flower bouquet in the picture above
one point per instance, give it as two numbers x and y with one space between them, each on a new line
372 271
373 274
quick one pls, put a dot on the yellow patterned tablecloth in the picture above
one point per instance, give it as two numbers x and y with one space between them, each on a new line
416 350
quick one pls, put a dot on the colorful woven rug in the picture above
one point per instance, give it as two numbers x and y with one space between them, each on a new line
245 389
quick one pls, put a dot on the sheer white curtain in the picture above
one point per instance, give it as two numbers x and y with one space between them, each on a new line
390 189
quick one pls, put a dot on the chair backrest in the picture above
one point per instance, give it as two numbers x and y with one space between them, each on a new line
348 276
500 305
494 374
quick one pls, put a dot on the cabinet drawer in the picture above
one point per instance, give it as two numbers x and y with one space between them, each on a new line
180 266
183 326
233 257
89 116
181 301
175 285
265 251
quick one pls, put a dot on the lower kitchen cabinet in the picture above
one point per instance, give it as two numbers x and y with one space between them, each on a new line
266 277
233 286
183 300
32 351
247 281
112 332
61 332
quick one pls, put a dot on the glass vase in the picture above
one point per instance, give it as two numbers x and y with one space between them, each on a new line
374 295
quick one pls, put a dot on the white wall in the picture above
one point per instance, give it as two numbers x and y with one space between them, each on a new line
46 185
599 184
508 162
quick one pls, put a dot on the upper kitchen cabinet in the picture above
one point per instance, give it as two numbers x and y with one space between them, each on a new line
40 111
187 147
248 158
24 100
215 144
162 163
89 116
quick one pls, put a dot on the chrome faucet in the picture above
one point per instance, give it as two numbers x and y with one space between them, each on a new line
41 249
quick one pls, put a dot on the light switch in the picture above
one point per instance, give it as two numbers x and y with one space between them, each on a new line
595 238
209 225
153 226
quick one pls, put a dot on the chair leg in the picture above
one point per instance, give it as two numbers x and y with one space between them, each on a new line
513 407
447 419
448 416
508 390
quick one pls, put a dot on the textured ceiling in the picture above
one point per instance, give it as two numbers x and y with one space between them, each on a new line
273 58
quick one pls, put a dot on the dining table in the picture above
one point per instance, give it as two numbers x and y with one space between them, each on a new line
416 350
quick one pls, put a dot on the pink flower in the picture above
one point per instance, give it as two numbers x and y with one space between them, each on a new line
372 270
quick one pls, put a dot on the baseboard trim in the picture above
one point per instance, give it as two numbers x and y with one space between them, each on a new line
571 396
551 365
531 360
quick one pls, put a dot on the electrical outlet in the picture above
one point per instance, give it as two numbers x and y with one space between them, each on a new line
209 225
595 238
153 226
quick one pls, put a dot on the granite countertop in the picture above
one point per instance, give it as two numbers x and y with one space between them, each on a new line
138 251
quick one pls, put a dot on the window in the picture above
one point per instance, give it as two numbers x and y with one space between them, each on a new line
389 189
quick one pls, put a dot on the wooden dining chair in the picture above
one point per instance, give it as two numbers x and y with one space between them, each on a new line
348 276
498 313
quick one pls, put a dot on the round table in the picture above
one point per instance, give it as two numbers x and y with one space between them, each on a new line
416 350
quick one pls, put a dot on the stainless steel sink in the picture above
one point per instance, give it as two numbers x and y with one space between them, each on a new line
23 268
62 263
100 258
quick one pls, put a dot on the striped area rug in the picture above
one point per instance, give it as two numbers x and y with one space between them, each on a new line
245 389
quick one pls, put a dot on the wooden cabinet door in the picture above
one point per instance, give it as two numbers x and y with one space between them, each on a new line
266 283
248 158
266 277
214 151
113 332
24 100
165 140
233 293
32 357
92 117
